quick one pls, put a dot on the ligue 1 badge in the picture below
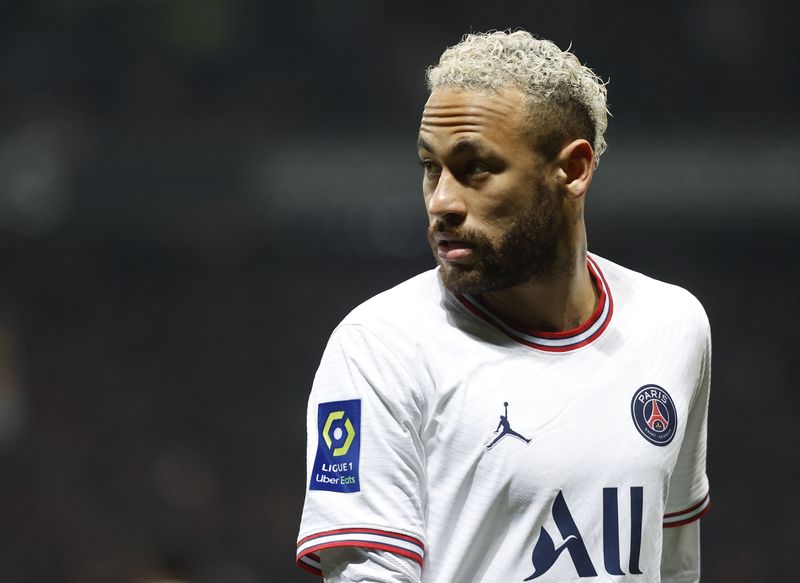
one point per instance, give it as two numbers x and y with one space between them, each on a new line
654 414
338 451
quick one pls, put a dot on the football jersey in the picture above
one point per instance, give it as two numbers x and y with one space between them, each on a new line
441 433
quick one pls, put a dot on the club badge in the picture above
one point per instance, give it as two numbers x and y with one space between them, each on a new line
654 414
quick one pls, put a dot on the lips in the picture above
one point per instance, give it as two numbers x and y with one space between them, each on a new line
451 249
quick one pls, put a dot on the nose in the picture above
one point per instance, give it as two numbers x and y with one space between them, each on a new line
446 203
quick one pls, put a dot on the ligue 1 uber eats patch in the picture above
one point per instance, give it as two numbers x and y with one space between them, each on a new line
338 448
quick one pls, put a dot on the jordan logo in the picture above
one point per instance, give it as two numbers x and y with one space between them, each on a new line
504 430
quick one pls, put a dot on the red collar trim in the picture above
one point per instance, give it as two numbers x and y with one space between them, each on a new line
566 341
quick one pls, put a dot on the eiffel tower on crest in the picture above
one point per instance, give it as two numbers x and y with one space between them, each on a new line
656 421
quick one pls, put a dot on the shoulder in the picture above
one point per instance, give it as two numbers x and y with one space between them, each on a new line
408 306
375 349
404 328
394 323
649 300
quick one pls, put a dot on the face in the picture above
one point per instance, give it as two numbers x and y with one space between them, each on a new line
494 218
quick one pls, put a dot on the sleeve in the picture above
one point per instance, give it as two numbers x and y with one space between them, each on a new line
688 497
366 485
358 565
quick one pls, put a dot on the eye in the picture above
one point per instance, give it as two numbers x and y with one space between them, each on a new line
430 167
476 167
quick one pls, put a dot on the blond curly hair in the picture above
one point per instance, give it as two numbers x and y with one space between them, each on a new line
571 95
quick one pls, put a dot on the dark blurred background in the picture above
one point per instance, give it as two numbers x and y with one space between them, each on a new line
194 192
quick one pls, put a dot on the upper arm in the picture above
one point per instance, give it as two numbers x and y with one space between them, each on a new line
680 554
358 565
368 493
688 496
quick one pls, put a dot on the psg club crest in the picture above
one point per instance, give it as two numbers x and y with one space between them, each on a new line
654 414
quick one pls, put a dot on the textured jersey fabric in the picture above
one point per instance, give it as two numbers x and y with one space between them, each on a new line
488 453
680 561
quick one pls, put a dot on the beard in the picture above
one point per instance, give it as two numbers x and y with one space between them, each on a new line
528 250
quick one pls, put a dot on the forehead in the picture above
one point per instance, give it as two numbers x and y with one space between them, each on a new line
453 113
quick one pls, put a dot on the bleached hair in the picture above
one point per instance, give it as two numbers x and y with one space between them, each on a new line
572 96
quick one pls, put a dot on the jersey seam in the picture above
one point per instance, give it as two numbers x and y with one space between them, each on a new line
705 371
691 506
415 386
389 350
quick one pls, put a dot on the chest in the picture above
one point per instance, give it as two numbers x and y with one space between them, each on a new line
534 426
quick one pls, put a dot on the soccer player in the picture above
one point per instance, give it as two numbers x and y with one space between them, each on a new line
599 375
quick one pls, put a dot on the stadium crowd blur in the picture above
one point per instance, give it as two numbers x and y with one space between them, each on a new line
194 192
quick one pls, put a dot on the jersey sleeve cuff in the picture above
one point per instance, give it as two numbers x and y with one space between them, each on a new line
690 514
308 548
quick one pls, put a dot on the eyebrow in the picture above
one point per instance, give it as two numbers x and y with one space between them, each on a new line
466 147
461 147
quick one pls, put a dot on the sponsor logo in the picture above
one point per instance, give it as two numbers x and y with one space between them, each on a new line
545 553
654 414
338 448
504 430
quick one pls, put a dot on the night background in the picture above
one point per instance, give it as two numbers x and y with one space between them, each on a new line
194 192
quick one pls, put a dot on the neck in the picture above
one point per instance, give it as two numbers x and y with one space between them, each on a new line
555 304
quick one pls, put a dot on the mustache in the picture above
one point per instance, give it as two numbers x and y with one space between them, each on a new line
459 232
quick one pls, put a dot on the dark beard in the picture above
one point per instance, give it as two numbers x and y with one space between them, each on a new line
529 250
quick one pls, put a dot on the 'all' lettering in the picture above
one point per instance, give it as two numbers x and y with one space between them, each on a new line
545 553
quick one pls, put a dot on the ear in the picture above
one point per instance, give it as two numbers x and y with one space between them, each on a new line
576 168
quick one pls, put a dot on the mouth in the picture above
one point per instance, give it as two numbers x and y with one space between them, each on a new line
448 248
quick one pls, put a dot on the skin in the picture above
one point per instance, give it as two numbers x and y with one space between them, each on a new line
481 175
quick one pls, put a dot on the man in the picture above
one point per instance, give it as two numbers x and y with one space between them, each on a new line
600 375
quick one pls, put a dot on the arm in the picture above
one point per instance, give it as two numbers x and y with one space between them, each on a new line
688 498
366 486
355 565
680 554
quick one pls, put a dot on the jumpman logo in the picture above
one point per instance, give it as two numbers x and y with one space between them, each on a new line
506 430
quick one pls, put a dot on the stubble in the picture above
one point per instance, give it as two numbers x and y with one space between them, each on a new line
528 250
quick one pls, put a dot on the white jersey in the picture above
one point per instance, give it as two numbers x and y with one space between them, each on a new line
438 432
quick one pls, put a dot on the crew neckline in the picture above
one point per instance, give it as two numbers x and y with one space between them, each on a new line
565 341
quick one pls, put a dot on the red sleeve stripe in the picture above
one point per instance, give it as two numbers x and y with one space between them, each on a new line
310 564
375 531
694 512
368 538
